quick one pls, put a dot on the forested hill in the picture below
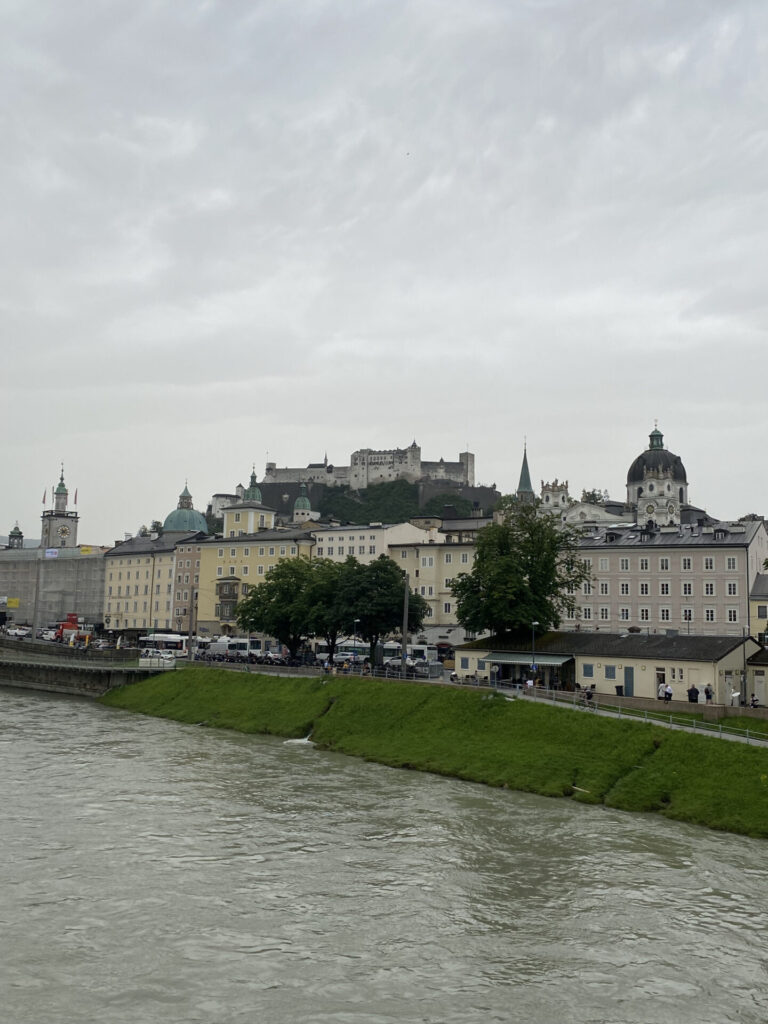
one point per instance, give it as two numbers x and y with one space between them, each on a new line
394 502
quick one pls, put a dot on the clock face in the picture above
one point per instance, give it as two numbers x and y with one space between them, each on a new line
671 508
63 532
650 509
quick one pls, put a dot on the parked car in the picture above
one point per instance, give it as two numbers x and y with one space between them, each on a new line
151 652
19 631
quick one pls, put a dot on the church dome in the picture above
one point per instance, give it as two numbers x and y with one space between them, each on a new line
302 503
252 492
656 460
184 518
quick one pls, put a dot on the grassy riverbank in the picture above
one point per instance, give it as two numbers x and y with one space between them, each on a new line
481 737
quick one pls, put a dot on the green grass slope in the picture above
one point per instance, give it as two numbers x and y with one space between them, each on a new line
482 737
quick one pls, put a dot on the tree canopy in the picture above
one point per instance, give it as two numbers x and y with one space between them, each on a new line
375 593
278 606
395 501
527 568
301 598
594 496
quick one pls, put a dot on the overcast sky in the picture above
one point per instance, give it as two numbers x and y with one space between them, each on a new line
298 227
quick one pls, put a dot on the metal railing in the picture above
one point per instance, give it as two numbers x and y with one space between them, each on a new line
575 699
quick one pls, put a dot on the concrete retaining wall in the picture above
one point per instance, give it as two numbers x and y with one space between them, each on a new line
78 680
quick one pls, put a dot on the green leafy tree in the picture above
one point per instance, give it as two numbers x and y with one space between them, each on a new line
527 569
329 614
374 594
279 606
595 496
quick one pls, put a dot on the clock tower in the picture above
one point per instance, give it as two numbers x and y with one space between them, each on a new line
59 525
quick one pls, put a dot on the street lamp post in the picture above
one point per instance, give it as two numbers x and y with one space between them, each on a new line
533 649
354 636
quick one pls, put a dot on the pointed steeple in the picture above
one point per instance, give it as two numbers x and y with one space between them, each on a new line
61 494
524 489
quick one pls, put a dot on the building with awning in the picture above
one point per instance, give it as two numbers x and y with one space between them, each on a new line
630 664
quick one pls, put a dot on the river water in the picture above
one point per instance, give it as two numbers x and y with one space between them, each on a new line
153 871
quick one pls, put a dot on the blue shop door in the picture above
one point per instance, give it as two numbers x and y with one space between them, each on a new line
629 682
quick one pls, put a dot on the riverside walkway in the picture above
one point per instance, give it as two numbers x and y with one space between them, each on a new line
682 722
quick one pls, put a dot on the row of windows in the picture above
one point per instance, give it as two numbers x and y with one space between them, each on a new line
334 538
246 552
609 671
603 613
126 606
158 559
135 624
603 587
341 550
664 563
137 574
428 561
136 589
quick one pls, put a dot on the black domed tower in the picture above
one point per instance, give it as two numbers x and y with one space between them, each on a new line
657 486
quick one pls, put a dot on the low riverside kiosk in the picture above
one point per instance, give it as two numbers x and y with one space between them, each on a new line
623 665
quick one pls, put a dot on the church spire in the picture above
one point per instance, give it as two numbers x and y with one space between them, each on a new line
61 494
524 489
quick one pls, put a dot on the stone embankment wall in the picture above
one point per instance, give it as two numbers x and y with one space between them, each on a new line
58 668
78 680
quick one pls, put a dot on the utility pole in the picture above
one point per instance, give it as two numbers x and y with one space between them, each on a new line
404 652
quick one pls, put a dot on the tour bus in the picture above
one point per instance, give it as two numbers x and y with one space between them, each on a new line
358 651
174 642
346 650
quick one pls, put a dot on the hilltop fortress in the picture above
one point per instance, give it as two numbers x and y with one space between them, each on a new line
369 467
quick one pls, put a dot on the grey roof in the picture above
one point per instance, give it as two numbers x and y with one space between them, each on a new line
622 536
351 527
760 586
682 647
261 535
157 545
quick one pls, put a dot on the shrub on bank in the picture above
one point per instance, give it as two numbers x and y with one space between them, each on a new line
480 736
